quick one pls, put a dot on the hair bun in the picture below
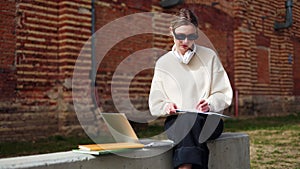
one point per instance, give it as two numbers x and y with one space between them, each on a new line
184 17
188 15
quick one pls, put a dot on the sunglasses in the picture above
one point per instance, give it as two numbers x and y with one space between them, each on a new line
181 36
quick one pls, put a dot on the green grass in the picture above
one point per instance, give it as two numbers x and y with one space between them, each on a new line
150 131
274 141
51 144
264 123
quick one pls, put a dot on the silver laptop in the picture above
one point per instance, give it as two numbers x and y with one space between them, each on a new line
122 131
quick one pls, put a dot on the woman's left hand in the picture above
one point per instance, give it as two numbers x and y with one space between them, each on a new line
202 106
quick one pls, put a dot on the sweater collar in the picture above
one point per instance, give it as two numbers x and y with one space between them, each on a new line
186 57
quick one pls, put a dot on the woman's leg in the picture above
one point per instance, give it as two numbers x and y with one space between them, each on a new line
185 130
218 131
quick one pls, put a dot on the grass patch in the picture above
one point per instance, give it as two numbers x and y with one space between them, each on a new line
274 141
264 123
51 144
150 131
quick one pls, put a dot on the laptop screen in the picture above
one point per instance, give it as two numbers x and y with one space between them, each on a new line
120 127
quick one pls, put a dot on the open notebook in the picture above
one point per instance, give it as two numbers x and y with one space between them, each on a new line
124 136
179 111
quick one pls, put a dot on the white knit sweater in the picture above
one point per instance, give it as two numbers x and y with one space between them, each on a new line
185 84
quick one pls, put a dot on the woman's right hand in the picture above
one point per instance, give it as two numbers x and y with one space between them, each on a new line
203 106
171 108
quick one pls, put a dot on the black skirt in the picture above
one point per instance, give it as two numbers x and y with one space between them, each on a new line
185 130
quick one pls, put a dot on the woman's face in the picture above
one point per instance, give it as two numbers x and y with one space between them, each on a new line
184 37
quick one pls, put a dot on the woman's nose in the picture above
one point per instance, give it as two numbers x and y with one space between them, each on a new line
185 40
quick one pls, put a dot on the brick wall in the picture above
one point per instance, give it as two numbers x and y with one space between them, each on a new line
37 69
7 50
139 85
7 65
73 32
41 40
45 39
263 73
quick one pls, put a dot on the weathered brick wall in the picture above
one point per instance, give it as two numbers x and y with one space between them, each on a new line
41 40
74 29
7 65
37 70
7 50
263 72
139 85
45 38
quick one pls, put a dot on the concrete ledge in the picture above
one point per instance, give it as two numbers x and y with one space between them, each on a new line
71 160
230 151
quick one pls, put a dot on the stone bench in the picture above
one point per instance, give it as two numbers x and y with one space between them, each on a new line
230 151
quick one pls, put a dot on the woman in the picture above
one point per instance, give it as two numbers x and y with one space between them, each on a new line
188 77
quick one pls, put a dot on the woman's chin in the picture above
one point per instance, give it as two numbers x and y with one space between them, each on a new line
182 51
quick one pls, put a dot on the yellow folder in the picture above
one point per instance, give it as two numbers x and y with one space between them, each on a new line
110 146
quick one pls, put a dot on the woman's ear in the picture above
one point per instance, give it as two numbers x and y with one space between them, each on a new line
171 31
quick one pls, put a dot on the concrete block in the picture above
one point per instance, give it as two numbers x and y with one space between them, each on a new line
230 151
71 160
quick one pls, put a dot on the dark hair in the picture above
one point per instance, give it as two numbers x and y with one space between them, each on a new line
184 17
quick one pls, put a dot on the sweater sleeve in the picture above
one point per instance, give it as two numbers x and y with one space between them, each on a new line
157 97
220 90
